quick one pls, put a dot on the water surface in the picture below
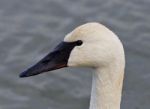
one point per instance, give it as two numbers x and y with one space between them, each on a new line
29 29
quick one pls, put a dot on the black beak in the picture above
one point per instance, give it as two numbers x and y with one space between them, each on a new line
54 60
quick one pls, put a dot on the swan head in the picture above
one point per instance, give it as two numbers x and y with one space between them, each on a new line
89 45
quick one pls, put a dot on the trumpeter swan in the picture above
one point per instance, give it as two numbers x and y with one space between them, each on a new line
90 45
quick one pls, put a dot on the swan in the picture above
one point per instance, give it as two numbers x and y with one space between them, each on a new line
90 45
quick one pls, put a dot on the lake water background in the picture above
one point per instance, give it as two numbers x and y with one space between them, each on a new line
29 29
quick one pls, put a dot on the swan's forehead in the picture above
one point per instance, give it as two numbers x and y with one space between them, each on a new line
84 32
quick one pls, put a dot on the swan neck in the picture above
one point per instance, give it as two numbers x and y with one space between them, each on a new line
106 89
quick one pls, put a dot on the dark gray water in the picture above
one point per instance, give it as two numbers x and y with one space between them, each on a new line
29 29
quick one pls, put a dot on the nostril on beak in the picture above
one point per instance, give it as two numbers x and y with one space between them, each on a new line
46 61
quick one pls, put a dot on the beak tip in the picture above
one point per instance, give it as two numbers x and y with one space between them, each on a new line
22 75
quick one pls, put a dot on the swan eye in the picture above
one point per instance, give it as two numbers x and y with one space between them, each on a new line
79 42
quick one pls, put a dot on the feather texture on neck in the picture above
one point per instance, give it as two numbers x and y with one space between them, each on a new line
107 88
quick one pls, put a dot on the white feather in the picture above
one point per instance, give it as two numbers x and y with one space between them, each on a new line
103 51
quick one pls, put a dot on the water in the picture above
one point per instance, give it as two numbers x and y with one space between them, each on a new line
29 29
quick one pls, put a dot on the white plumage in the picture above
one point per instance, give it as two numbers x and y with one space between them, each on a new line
102 51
